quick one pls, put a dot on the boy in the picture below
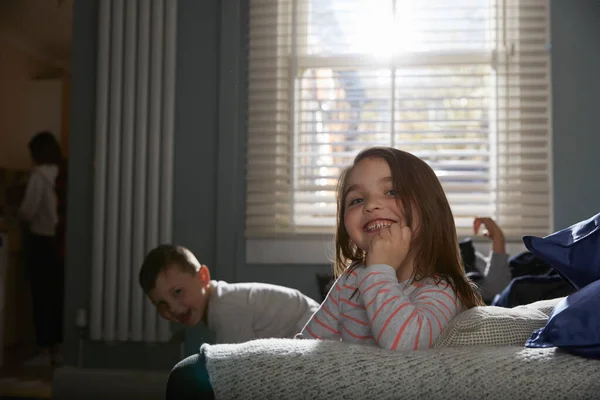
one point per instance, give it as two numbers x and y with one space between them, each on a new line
182 291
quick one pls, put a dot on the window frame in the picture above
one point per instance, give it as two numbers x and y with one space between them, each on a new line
542 219
301 62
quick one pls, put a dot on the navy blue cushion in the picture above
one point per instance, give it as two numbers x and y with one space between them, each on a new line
531 288
573 252
574 325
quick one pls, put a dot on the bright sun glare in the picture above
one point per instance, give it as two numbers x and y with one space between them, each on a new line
375 31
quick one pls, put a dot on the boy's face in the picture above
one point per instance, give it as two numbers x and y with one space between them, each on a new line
180 296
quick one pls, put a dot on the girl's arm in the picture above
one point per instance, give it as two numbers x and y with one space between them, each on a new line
397 322
324 323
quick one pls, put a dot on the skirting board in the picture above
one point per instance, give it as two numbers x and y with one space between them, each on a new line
74 384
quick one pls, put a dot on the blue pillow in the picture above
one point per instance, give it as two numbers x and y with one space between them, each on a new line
573 252
574 325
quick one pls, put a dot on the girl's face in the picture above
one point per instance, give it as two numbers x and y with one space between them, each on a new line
370 202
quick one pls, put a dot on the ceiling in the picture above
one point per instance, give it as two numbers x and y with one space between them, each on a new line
41 28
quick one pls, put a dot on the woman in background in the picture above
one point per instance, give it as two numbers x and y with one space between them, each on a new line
44 197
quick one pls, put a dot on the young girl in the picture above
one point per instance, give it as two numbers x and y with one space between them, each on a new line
400 277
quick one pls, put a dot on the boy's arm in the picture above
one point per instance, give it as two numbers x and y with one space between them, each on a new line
279 311
496 274
324 323
493 231
397 322
495 270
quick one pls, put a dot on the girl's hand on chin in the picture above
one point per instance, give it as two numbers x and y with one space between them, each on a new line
389 246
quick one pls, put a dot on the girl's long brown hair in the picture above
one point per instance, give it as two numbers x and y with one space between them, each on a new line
419 190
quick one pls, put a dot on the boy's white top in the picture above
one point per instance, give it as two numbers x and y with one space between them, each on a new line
238 312
39 206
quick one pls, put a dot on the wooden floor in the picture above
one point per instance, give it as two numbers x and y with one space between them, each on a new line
18 381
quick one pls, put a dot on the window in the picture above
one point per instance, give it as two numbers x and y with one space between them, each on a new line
463 84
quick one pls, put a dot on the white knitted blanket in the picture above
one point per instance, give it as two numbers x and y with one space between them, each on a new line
306 369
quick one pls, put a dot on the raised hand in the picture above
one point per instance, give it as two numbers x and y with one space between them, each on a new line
389 246
492 231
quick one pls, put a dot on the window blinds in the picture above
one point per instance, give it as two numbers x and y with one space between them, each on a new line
463 84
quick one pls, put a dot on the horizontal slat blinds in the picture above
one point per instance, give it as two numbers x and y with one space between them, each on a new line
463 84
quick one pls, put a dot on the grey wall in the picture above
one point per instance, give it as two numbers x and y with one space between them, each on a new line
196 116
77 273
576 108
210 153
196 139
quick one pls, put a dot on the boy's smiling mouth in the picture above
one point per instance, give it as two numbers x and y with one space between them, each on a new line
185 317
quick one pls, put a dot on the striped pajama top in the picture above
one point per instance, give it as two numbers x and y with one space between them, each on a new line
383 312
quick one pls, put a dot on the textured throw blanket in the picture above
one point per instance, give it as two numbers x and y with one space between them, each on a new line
307 369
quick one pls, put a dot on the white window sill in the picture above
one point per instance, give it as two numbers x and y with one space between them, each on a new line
315 250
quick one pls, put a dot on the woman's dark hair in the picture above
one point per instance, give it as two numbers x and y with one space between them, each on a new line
44 149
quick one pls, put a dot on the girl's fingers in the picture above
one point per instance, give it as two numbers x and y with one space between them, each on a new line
395 229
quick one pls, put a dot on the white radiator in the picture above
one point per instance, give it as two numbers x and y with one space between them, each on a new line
133 175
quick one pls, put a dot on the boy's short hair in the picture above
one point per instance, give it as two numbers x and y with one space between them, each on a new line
162 257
